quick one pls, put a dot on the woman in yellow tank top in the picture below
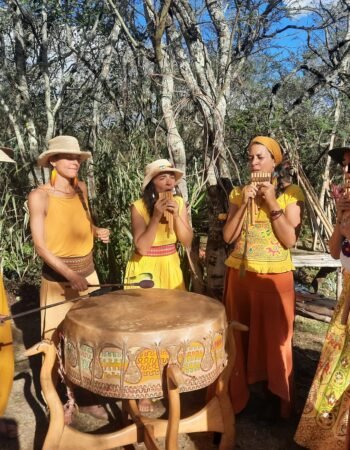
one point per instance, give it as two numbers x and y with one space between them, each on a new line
8 427
63 231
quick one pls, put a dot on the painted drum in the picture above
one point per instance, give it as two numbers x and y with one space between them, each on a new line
118 344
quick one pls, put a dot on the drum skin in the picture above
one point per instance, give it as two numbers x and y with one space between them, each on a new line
118 344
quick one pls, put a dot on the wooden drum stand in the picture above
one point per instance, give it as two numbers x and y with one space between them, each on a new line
216 416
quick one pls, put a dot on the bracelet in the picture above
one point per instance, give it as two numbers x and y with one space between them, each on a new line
276 214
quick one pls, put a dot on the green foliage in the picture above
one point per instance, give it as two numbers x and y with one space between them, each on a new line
118 174
18 260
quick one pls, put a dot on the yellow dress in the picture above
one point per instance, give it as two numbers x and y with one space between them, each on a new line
6 353
165 271
68 234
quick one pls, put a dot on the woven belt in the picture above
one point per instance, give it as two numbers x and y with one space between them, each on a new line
162 250
83 265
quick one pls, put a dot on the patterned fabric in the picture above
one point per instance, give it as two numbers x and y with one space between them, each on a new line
264 252
162 250
83 265
164 270
324 422
6 353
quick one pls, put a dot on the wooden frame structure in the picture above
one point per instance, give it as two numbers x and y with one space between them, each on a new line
217 415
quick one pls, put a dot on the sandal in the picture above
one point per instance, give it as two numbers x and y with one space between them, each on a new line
8 428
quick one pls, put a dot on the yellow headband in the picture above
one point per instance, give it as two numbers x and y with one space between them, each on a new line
272 146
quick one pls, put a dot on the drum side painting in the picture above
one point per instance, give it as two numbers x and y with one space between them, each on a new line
117 345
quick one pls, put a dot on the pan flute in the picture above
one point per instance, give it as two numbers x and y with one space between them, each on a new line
256 179
167 214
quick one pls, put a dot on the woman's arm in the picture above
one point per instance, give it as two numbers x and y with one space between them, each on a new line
182 227
286 226
335 241
37 202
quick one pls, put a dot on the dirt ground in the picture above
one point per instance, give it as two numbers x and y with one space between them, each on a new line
28 409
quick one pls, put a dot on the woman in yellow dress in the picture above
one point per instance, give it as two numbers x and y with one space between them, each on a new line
63 235
324 424
158 223
8 427
154 238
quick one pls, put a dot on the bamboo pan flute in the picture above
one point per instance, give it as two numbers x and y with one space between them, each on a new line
167 214
256 179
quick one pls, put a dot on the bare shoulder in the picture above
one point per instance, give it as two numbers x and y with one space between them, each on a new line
38 196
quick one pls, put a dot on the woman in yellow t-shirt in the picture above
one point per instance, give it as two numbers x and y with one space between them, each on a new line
154 240
63 235
259 286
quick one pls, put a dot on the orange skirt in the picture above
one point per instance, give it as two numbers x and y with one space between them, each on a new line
266 304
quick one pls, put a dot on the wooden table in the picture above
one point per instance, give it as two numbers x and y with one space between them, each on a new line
305 258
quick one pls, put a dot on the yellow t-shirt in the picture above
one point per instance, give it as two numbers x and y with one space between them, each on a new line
162 235
264 253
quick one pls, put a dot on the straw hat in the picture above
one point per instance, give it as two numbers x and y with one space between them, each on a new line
62 144
337 154
156 167
5 154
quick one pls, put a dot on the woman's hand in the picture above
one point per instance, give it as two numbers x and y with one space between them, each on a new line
77 282
160 207
342 204
173 207
249 191
267 192
102 234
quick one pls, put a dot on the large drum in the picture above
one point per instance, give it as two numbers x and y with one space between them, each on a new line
117 345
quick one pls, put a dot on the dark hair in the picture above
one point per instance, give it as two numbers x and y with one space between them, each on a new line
284 173
150 196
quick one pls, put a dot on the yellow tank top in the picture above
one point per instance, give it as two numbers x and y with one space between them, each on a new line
162 237
68 229
263 253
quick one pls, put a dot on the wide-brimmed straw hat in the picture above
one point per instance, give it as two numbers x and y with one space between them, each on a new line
62 144
5 155
156 167
337 153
